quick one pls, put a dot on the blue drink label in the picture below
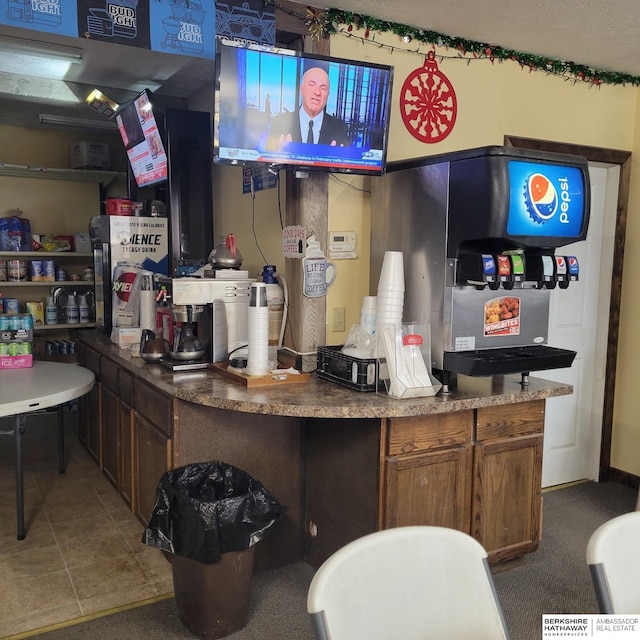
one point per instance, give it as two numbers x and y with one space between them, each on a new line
545 200
488 267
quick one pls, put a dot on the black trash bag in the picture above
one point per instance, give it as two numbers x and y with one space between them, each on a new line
204 510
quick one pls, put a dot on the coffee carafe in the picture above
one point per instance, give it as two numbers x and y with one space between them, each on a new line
186 345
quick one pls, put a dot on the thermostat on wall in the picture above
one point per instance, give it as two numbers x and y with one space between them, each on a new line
342 245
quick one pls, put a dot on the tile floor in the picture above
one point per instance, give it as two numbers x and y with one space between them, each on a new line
82 554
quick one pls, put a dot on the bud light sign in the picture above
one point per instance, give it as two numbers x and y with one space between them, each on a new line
545 200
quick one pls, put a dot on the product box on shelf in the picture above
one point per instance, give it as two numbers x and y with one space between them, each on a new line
89 155
16 341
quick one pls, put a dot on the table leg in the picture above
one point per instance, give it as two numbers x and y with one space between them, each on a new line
18 432
61 460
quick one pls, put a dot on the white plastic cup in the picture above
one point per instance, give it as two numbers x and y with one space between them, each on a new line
368 314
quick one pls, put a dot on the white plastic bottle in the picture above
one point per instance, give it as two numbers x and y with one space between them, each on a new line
73 313
50 312
83 309
275 302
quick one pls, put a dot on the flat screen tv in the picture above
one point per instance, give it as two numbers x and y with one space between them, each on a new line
265 99
142 141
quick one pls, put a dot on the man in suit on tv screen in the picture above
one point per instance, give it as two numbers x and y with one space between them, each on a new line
310 123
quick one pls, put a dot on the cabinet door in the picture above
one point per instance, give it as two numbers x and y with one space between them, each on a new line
152 457
507 495
126 454
94 418
429 489
110 428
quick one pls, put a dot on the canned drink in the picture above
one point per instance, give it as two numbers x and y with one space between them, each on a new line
4 348
13 348
24 348
126 285
15 322
4 322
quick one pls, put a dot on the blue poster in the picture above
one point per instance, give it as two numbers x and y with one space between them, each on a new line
185 27
115 21
52 16
545 200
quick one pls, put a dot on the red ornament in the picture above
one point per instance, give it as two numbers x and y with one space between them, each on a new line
428 104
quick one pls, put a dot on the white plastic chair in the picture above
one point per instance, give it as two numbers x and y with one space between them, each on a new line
613 556
407 583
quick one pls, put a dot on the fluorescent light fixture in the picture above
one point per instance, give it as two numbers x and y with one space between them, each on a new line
9 44
102 103
78 123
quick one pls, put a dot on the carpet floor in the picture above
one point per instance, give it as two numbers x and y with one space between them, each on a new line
555 579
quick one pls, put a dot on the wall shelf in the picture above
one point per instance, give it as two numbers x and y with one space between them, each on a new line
75 175
19 255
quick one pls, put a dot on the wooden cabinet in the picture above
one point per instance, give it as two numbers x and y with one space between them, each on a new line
109 425
428 471
90 406
152 450
109 419
125 433
477 471
152 457
129 430
507 479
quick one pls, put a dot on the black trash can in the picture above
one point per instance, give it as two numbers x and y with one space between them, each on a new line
209 516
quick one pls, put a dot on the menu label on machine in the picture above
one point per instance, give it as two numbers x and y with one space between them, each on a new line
545 200
502 316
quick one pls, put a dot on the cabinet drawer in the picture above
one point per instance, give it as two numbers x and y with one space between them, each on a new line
427 433
155 406
509 420
109 373
90 359
125 386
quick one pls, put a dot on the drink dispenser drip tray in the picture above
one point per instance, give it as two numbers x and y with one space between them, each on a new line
502 361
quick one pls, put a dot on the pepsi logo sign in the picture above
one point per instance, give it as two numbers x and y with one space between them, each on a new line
543 201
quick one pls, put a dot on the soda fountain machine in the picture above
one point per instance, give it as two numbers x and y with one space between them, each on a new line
480 230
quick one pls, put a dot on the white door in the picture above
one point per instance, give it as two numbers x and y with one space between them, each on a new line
578 320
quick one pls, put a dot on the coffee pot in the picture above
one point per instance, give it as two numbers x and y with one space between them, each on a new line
152 347
226 255
186 345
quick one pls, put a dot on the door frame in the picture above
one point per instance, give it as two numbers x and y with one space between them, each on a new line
623 159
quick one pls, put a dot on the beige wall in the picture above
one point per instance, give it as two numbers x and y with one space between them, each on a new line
52 206
625 445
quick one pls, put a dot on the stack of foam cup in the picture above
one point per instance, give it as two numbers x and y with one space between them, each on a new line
258 349
390 298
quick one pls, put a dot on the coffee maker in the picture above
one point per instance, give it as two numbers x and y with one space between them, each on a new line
479 230
222 305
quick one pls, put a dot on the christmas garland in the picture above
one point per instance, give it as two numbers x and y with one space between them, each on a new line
324 23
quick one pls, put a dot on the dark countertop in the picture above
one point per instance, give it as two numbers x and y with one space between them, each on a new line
320 398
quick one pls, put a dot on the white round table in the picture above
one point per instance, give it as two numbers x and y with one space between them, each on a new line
46 384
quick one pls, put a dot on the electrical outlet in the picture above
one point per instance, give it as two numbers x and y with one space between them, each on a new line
339 314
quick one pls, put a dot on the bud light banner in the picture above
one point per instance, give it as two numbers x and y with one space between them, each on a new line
53 16
545 200
116 21
186 27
